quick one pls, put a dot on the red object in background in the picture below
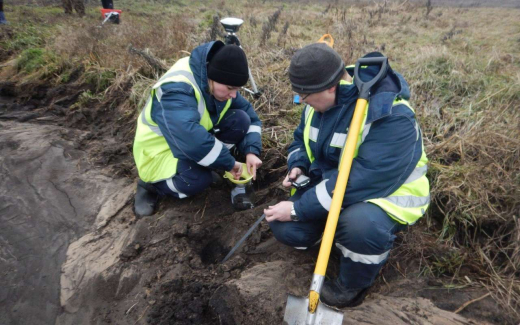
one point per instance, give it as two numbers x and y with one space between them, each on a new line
104 12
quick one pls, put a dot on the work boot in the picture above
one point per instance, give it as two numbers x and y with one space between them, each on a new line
216 179
241 197
335 295
146 198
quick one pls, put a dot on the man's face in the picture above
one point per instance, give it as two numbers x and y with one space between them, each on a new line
223 92
321 101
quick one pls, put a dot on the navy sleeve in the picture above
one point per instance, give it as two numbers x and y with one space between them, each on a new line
380 168
179 121
297 155
252 142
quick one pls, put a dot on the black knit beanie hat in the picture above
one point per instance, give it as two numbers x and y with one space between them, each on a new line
228 66
314 68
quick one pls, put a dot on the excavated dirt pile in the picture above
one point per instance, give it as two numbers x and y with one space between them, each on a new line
72 251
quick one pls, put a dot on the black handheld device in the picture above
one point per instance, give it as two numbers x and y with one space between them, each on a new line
300 182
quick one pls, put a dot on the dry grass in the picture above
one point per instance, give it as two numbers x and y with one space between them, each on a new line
463 66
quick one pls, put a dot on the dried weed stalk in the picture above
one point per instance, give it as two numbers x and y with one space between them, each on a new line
269 26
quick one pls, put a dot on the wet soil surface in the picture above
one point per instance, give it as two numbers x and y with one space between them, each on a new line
49 197
72 251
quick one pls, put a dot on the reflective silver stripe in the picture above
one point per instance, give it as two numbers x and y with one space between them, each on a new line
417 173
323 196
342 149
212 155
158 93
338 140
170 74
362 258
292 152
307 109
408 201
189 76
366 129
155 129
255 128
228 145
172 187
313 134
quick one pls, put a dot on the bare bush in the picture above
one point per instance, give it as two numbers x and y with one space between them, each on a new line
429 7
283 34
214 31
449 35
269 26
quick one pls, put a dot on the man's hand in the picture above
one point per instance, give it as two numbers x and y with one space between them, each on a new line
280 212
292 176
253 163
237 170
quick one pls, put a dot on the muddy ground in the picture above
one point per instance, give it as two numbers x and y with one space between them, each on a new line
72 251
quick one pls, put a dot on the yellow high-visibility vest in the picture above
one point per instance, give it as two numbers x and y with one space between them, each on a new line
410 201
153 157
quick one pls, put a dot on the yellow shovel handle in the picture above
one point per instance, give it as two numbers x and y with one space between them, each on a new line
341 185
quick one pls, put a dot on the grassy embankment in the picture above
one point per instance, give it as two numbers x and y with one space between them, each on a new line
463 66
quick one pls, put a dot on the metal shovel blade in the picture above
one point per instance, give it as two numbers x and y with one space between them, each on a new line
296 312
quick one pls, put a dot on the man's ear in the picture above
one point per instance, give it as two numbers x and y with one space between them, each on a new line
331 90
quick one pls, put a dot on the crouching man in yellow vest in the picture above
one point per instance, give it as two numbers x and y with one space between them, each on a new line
194 116
387 187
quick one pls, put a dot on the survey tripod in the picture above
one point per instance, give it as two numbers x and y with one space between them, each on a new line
231 26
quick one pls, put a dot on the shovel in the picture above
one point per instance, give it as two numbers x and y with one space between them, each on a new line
310 310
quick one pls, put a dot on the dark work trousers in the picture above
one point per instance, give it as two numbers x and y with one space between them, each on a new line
3 21
107 4
364 235
192 178
78 5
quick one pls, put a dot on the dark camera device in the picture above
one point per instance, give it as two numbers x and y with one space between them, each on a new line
300 182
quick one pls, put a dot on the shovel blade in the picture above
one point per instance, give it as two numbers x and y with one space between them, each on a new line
296 312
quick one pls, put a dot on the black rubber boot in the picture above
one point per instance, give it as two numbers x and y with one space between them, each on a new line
146 198
241 197
335 295
216 179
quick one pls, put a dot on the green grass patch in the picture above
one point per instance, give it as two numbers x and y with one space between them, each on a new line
100 79
33 59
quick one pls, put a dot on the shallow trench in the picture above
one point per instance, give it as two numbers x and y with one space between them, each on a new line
49 197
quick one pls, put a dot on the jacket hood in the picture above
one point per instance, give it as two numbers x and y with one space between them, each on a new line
198 65
385 92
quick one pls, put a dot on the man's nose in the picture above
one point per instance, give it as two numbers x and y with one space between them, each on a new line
233 94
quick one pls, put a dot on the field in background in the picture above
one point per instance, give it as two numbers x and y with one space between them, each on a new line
463 66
